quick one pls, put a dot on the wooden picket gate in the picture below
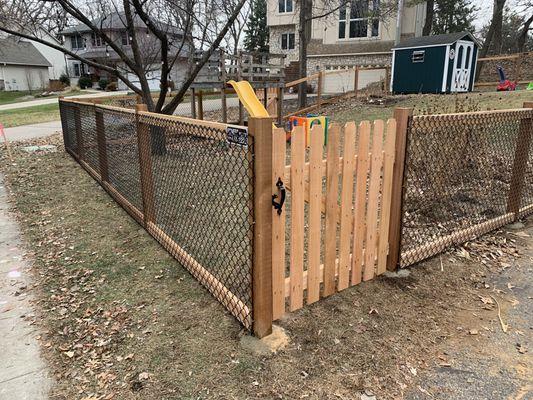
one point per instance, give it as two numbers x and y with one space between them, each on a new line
334 229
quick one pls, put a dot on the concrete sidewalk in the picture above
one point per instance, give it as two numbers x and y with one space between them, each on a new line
32 131
23 373
52 100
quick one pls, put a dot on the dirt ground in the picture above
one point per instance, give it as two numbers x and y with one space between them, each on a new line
122 320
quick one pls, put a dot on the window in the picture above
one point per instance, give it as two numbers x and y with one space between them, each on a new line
96 40
285 6
418 56
79 69
76 42
125 37
287 41
358 19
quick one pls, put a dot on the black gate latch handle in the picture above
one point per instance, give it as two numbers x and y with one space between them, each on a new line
275 204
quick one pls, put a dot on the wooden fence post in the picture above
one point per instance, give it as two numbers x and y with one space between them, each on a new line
193 103
264 187
145 165
356 80
280 105
200 105
100 139
402 116
79 134
523 143
319 89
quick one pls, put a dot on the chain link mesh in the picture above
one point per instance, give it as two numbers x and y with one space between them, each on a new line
183 181
462 178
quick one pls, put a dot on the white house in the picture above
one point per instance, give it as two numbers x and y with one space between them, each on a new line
348 36
56 58
22 66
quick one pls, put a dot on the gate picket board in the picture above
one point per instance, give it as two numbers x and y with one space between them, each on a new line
278 229
341 238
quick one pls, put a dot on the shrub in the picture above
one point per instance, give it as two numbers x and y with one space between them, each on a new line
85 82
111 87
102 83
56 85
64 79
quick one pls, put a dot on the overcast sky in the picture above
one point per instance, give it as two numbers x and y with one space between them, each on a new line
485 11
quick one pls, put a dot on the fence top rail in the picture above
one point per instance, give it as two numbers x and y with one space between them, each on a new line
172 118
506 57
192 121
467 115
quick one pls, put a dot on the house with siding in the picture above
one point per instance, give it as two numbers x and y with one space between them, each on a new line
22 66
349 36
81 40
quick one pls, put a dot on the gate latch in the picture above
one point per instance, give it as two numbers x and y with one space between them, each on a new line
281 188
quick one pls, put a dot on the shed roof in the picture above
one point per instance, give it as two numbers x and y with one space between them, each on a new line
19 52
435 40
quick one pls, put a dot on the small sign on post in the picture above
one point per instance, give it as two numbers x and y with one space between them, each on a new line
237 135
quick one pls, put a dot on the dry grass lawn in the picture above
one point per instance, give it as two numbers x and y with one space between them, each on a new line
122 320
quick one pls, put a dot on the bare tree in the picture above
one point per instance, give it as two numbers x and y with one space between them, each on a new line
159 48
524 32
430 12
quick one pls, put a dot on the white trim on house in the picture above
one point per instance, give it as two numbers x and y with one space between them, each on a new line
27 65
418 47
349 54
392 71
446 66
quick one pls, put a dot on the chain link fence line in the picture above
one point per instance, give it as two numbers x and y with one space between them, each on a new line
465 175
188 185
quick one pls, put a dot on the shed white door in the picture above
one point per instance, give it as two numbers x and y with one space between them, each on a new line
462 66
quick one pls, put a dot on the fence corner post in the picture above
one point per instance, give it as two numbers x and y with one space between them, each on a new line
264 186
523 143
145 165
402 116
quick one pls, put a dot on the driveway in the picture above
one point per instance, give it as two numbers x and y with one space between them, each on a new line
32 131
52 100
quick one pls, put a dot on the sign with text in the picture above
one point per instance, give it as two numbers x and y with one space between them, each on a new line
237 135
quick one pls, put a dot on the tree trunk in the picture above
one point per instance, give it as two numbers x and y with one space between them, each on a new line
522 37
304 33
430 12
497 18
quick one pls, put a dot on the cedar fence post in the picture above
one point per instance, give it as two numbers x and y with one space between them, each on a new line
100 139
193 103
200 105
356 80
402 116
523 143
79 134
319 89
280 105
264 187
145 164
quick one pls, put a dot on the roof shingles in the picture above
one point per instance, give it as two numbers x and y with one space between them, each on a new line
18 52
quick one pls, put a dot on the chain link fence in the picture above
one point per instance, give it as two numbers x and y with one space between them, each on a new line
184 181
465 174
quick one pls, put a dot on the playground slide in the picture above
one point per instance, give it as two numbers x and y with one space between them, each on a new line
247 96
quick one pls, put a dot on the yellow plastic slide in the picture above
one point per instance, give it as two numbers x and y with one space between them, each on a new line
247 96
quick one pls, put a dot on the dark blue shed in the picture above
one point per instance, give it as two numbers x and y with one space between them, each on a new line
435 64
